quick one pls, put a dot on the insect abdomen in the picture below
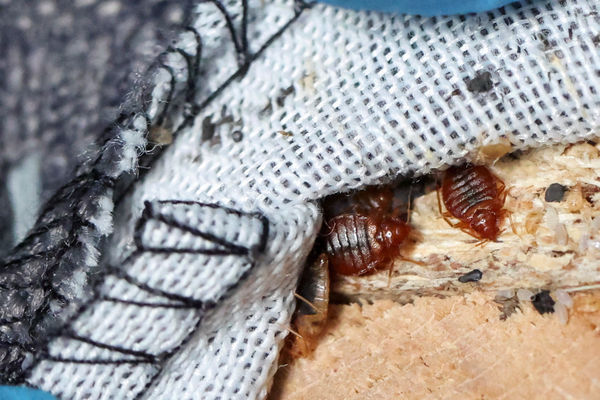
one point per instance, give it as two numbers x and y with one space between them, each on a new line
311 314
468 189
350 245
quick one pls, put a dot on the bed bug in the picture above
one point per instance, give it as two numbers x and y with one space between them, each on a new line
474 196
359 241
366 240
311 313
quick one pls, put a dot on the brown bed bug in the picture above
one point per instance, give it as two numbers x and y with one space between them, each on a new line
365 241
311 313
474 196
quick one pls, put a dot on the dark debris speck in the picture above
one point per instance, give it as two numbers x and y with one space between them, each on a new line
208 129
237 136
481 83
280 100
543 303
555 192
472 276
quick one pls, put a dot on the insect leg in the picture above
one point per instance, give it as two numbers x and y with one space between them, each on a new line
444 214
463 227
293 332
410 260
308 302
501 189
481 242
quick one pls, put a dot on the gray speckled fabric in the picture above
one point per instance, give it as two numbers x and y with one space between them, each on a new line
67 68
71 74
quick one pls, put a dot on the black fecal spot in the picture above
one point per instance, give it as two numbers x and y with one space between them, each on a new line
280 100
208 129
596 40
555 193
543 303
237 136
481 83
472 276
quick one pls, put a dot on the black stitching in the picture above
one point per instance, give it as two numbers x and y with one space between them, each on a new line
161 117
118 349
142 303
96 361
75 191
240 42
191 82
142 357
232 248
208 252
191 303
198 56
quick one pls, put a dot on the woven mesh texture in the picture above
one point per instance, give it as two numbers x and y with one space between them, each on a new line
208 243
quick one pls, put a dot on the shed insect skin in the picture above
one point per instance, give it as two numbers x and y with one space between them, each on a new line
311 313
474 196
365 241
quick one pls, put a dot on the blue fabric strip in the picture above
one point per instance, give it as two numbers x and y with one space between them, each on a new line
23 393
421 7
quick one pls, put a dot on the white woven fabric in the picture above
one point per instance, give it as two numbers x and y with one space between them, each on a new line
340 100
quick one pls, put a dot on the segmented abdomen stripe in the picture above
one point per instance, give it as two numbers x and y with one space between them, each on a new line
468 190
350 241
